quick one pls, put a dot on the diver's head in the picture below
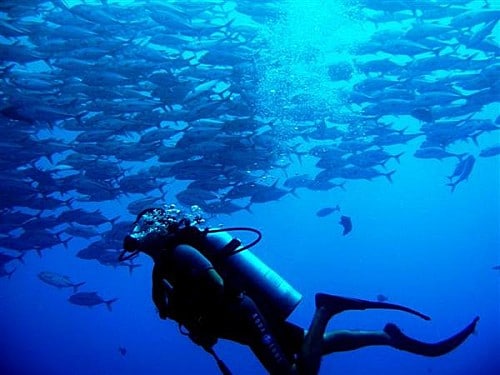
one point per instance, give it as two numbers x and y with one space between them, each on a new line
153 228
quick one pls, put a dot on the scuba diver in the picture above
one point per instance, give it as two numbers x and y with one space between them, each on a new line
214 288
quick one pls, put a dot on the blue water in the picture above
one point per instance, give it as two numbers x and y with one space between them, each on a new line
412 240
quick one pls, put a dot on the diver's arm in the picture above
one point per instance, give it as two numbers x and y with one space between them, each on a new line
160 293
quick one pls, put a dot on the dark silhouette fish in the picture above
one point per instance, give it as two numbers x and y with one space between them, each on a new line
122 350
59 281
382 298
90 299
496 268
346 222
327 211
465 172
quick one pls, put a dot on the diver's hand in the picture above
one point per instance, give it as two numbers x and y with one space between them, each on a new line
202 339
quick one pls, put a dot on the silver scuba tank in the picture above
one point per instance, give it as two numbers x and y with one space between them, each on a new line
248 273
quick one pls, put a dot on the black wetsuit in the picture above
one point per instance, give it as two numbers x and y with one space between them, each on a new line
209 314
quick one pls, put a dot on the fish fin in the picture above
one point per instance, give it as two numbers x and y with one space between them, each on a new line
389 175
292 191
20 257
9 274
474 138
76 286
453 185
398 156
65 242
78 116
113 220
109 302
247 207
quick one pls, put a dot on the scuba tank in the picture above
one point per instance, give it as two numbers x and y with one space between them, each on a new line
246 272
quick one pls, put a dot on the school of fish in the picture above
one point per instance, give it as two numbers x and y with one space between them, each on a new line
156 100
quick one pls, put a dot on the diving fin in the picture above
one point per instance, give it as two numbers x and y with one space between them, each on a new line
402 342
337 304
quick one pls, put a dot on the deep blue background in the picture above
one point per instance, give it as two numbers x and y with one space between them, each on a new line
413 241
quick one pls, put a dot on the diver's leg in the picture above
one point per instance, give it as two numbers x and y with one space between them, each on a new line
344 340
327 305
309 359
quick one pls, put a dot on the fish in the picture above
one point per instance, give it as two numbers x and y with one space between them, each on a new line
490 151
138 205
90 299
122 350
346 223
268 193
58 280
422 114
496 268
465 172
435 153
459 169
327 211
382 298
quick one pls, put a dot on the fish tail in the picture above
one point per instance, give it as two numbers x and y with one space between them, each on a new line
389 175
113 220
65 242
247 207
474 138
78 116
69 202
76 286
398 156
21 257
110 302
292 191
453 185
9 274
